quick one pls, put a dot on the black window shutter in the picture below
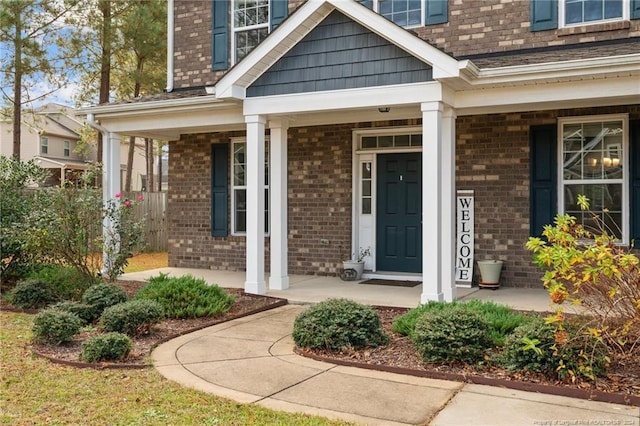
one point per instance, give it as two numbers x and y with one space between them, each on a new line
279 11
544 15
634 155
436 12
635 9
219 189
543 185
220 35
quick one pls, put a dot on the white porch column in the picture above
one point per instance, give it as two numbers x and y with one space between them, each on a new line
110 187
255 282
431 195
279 271
448 203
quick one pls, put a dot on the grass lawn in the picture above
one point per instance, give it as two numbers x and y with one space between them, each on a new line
146 261
35 391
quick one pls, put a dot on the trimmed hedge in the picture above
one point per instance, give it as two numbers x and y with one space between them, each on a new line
338 323
103 295
106 347
32 294
455 334
133 318
502 319
55 326
186 296
85 312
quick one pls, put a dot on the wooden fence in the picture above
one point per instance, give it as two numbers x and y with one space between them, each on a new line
153 209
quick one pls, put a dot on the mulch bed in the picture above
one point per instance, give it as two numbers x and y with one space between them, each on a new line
621 385
68 354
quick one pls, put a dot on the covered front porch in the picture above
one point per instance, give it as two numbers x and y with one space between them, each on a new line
307 289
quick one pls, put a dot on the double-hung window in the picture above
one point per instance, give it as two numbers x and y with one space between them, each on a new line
250 25
580 12
44 145
593 159
239 187
66 149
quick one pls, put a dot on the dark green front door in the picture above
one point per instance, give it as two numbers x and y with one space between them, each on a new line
399 213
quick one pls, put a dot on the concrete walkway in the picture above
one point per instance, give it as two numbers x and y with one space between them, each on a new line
251 360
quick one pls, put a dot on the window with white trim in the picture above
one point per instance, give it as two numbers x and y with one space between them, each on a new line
250 26
593 160
66 150
44 145
406 13
580 12
239 187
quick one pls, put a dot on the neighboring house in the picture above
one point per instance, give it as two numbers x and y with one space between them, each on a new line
50 135
301 132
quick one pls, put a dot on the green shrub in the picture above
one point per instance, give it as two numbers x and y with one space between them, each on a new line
502 320
106 347
565 354
530 347
32 294
85 312
55 326
67 283
103 295
338 323
134 317
453 334
186 296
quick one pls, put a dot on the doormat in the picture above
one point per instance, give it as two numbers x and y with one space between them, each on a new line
392 283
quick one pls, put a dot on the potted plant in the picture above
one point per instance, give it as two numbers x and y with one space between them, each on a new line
356 263
490 273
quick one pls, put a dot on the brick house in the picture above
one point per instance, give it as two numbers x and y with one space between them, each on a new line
301 132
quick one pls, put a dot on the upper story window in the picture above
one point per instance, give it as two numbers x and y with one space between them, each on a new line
406 13
593 158
242 25
66 148
579 12
44 145
250 25
553 14
410 13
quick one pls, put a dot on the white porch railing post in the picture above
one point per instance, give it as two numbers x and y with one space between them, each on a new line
279 271
255 282
431 198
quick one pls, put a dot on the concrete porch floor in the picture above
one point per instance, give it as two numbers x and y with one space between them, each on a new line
305 289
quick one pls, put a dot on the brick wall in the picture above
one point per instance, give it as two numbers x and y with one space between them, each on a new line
474 27
483 26
492 159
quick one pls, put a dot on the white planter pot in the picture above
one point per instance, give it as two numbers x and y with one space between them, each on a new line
490 273
355 265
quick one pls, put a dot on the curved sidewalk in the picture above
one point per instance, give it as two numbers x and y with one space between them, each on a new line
251 360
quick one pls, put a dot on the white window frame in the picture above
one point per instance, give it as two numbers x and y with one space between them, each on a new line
235 29
625 161
44 145
376 8
234 187
626 12
66 148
